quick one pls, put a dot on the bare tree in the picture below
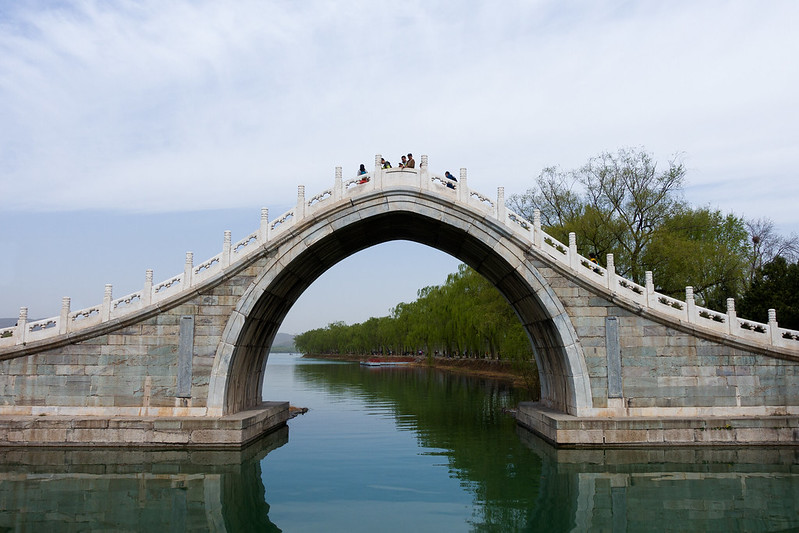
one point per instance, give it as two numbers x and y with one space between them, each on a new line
615 203
632 198
556 194
768 244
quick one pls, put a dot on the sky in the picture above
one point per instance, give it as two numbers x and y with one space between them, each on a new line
134 131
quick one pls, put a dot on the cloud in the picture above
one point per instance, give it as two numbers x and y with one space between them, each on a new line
177 105
180 106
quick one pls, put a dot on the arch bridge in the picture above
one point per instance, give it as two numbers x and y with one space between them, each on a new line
181 362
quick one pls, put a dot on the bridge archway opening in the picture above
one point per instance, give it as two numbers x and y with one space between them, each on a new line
238 375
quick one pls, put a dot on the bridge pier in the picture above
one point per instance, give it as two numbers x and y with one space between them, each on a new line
229 431
567 431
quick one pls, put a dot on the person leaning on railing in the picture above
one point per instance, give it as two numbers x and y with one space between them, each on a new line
450 177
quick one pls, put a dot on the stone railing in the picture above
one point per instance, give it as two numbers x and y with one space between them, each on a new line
378 180
646 297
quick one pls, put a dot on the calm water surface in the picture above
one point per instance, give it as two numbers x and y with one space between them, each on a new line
398 449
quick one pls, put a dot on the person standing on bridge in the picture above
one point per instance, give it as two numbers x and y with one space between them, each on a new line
411 163
385 163
403 163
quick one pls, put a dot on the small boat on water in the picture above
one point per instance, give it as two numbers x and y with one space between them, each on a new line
383 362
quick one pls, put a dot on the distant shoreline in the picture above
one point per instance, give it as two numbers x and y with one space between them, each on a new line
485 368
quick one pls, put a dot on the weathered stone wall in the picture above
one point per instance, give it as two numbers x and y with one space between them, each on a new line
130 370
666 371
662 370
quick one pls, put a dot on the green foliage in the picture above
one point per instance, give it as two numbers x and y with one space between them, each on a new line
622 204
614 203
775 286
702 248
467 317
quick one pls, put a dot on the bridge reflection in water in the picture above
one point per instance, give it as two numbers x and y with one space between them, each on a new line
578 490
666 489
48 489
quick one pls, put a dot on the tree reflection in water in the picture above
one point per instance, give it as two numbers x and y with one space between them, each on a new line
524 484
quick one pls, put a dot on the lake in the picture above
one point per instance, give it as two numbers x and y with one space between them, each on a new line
398 449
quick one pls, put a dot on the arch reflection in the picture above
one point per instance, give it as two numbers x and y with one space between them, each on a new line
675 489
56 489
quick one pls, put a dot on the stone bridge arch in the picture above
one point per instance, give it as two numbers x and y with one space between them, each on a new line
397 214
181 361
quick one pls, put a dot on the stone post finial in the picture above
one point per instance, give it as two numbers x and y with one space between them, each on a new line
299 212
612 280
226 248
463 190
63 322
424 178
501 204
732 321
690 304
147 293
338 187
538 238
188 270
377 175
263 233
649 285
22 322
573 262
773 327
106 308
